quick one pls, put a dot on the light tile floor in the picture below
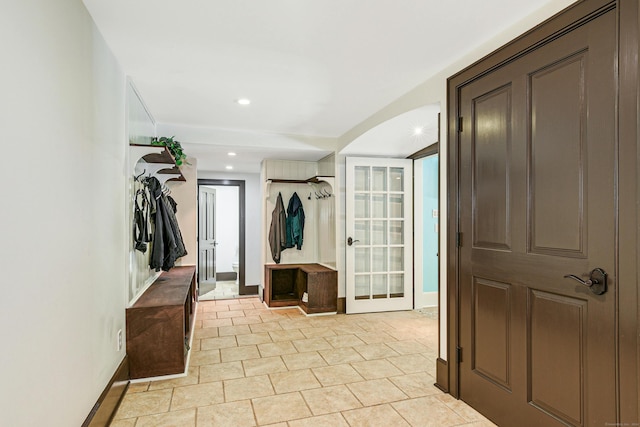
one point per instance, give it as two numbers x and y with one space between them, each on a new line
251 366
224 290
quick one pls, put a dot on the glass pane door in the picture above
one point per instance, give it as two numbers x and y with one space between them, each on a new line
379 259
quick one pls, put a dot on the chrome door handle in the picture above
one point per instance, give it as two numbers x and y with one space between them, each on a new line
597 281
350 241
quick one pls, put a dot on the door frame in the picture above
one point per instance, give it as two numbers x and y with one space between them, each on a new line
242 288
627 183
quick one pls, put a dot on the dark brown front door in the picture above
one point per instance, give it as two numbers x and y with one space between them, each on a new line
537 202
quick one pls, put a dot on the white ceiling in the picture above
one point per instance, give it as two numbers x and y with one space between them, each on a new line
311 68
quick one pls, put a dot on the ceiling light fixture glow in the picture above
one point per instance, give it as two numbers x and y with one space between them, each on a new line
231 154
243 101
229 167
417 131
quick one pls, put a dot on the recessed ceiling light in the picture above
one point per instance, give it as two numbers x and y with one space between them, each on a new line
243 101
229 167
417 131
231 154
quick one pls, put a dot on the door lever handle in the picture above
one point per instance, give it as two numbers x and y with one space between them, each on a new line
597 281
350 241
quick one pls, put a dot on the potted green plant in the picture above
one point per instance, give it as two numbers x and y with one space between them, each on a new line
174 147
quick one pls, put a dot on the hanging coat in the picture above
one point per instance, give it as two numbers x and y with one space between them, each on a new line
295 222
167 244
277 236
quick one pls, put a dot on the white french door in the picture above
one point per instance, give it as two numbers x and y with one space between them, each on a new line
379 249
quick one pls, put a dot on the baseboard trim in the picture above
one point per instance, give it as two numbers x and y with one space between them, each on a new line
442 375
105 408
226 276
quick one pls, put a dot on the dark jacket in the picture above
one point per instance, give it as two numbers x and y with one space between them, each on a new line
295 222
167 244
277 236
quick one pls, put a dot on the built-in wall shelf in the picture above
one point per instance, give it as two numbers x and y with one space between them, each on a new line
312 180
158 155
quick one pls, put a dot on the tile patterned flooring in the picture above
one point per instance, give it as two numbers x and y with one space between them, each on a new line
251 366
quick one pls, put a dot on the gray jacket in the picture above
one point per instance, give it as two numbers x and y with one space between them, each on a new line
277 231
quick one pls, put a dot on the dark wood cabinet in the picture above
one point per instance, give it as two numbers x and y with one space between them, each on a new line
285 285
159 325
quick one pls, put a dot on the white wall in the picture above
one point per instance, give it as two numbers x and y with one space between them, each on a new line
253 222
64 202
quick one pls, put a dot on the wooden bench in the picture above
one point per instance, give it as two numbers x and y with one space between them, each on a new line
159 325
285 285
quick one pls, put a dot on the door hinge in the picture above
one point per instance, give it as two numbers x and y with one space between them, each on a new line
459 239
459 354
460 124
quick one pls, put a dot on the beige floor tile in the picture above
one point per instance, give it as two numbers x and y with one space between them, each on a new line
276 348
374 369
215 323
212 307
253 339
341 355
295 323
218 343
375 337
247 388
407 347
341 341
303 360
245 305
375 392
247 320
230 313
272 316
330 399
221 371
375 351
460 408
263 366
204 357
233 330
337 374
325 321
412 363
347 329
483 423
381 415
283 407
239 353
265 327
311 344
234 414
286 382
184 418
329 420
286 335
427 412
205 333
197 395
277 425
207 315
147 403
189 379
416 385
129 422
317 332
227 302
138 387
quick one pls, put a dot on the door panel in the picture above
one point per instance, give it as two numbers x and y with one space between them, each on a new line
537 195
207 239
379 218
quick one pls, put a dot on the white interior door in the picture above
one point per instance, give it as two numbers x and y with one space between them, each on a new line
207 237
379 234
